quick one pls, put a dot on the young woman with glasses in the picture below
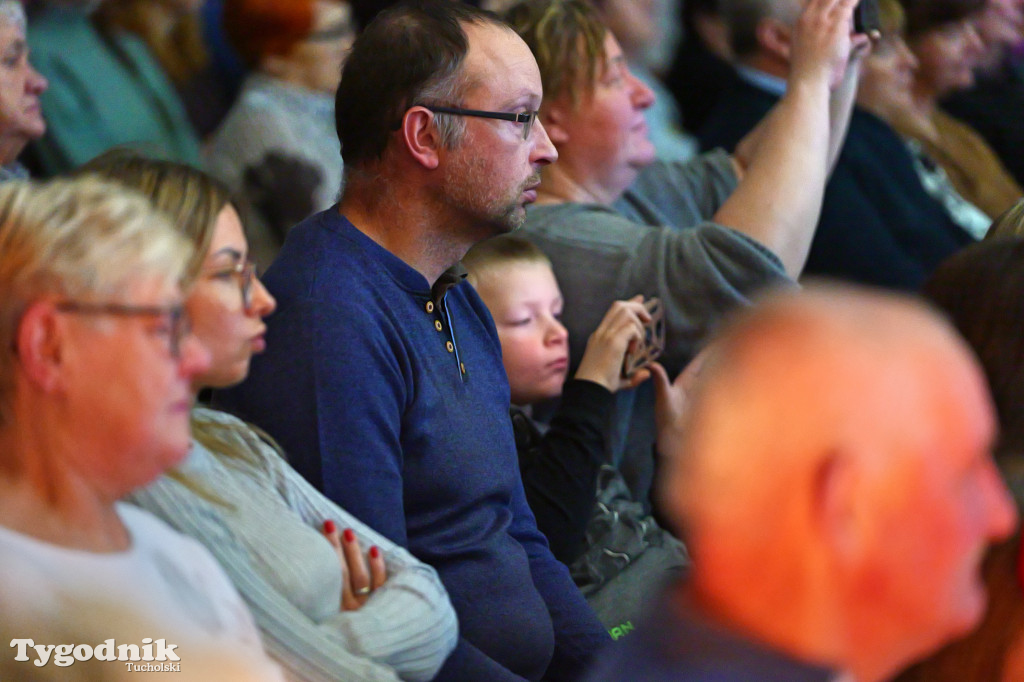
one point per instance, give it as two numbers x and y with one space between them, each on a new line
328 609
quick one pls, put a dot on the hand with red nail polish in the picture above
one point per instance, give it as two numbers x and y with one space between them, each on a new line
360 575
378 572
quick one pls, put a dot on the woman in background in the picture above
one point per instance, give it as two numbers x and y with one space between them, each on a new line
278 148
361 620
21 117
945 41
887 90
173 32
106 90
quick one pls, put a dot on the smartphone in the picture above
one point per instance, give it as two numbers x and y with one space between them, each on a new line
866 19
653 342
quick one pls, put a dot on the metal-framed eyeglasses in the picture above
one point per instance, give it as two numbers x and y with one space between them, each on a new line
245 272
526 118
177 321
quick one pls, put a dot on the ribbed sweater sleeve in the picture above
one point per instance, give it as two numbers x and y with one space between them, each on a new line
408 624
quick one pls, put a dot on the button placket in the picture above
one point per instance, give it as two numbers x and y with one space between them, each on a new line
430 307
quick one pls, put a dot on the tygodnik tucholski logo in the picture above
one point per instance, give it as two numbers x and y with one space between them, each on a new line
152 655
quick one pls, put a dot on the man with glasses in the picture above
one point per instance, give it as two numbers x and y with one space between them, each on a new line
383 374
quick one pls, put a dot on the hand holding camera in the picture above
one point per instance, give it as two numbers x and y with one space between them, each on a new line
630 336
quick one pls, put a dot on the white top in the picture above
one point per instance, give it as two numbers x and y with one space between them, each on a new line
167 583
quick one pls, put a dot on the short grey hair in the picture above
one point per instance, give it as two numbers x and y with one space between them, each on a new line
13 13
83 239
450 127
743 16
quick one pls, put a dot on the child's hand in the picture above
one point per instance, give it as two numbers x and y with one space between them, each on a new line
671 401
621 328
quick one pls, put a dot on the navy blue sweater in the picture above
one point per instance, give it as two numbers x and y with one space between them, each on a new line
878 225
403 420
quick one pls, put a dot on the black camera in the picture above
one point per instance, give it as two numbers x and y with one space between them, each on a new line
653 342
866 19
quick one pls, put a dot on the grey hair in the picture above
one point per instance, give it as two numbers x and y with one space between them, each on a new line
447 92
83 239
12 12
743 17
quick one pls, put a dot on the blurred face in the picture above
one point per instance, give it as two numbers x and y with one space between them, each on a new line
321 55
128 395
492 172
606 137
943 504
947 56
220 320
526 305
635 24
887 78
1001 23
21 118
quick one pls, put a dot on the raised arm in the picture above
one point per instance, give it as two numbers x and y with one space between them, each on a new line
779 198
841 105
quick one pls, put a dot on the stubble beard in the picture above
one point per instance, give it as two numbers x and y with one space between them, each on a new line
467 191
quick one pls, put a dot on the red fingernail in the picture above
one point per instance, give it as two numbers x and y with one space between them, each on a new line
328 526
349 535
374 552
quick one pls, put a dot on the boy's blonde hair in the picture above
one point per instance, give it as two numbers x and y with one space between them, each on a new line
502 250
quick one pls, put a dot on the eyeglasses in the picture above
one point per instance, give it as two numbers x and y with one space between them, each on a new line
526 118
178 322
245 271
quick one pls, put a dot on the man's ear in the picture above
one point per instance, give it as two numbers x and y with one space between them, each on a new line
554 116
775 38
421 137
834 504
38 345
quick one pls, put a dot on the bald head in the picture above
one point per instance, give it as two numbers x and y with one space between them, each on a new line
820 371
829 439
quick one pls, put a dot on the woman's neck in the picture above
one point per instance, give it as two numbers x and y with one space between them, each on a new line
42 496
925 104
558 187
926 100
